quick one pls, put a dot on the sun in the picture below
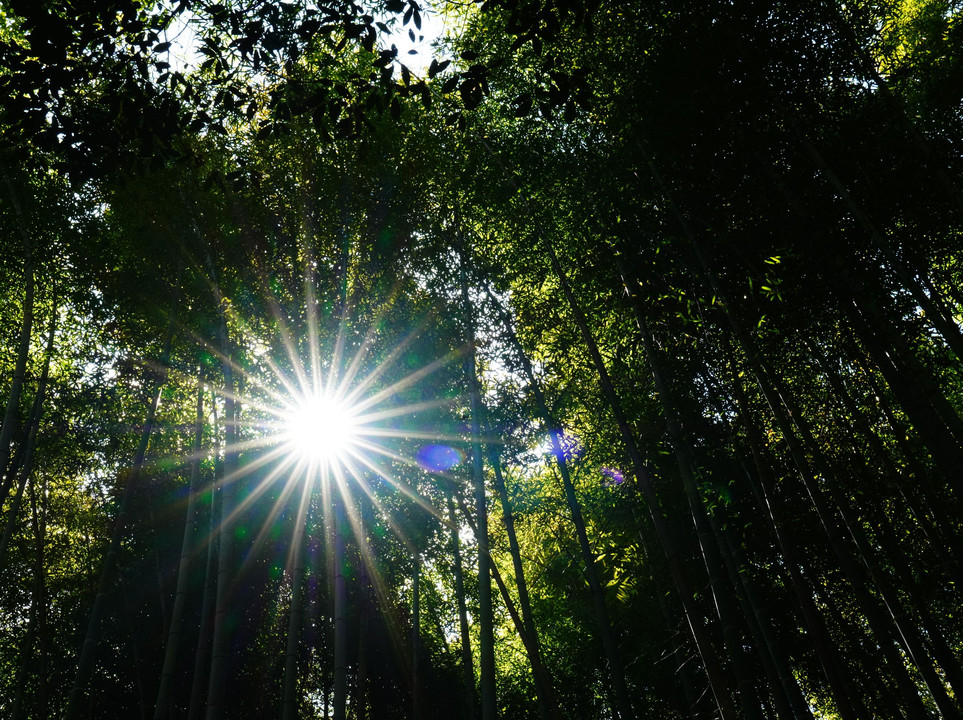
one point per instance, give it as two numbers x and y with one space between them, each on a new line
321 429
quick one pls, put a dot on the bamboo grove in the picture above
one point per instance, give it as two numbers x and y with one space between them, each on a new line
649 315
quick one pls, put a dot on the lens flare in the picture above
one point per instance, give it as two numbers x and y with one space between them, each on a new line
438 458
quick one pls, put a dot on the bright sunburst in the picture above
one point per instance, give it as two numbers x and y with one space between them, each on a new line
321 429
341 442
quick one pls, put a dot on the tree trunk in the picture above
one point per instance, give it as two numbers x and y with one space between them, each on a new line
939 504
547 704
848 702
40 536
485 615
220 644
205 629
775 397
289 698
364 605
604 627
939 425
162 706
787 696
340 610
914 490
36 627
935 311
714 672
722 591
468 671
89 648
26 467
415 638
513 613
909 633
23 349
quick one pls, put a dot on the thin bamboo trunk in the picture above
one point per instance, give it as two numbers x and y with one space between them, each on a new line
932 634
775 397
939 533
713 670
415 638
717 681
162 706
722 591
911 639
547 703
934 310
36 624
23 348
40 536
88 650
340 611
762 629
468 671
29 445
289 698
364 609
848 702
598 602
205 629
939 505
220 644
485 615
513 611
887 701
787 696
936 420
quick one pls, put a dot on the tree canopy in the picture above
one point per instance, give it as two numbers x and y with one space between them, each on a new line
595 361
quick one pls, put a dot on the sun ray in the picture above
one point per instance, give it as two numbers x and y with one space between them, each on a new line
311 314
320 432
240 370
349 374
242 472
385 363
336 354
400 410
291 387
414 435
286 336
240 509
384 603
299 526
405 488
277 508
405 382
253 443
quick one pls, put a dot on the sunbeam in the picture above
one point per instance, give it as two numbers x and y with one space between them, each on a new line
329 452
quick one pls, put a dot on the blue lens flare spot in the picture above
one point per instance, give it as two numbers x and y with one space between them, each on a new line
438 458
612 477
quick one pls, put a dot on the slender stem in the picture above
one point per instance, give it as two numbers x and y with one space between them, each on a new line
340 611
485 614
162 705
289 701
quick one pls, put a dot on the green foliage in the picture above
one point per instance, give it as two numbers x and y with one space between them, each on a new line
754 212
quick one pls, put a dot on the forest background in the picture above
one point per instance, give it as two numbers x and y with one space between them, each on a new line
643 320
